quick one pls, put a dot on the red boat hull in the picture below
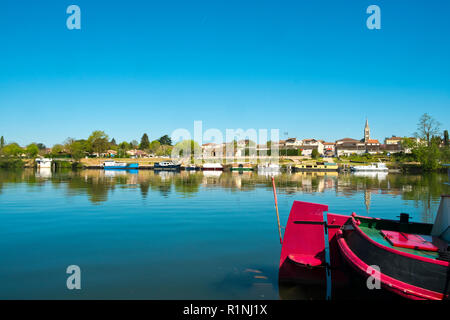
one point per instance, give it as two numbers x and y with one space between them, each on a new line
303 251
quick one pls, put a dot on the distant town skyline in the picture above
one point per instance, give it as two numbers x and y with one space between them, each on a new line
313 70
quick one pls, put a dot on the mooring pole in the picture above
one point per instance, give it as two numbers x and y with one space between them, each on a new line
276 207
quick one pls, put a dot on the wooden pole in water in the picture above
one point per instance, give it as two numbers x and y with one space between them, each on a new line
276 207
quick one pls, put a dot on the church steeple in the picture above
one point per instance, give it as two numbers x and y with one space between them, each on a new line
366 131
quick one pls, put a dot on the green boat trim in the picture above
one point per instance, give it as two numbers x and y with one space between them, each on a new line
372 228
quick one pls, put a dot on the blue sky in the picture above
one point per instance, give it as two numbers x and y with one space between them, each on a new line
309 68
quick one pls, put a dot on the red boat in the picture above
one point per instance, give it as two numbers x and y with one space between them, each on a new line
407 258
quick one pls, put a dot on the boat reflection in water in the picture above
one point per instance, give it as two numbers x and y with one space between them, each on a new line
119 172
44 172
380 175
214 174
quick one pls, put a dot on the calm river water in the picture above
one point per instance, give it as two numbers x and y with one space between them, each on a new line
142 235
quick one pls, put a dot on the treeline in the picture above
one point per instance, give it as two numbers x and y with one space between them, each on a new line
97 144
430 149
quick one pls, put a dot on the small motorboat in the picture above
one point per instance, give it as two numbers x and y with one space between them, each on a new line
166 166
407 258
212 167
191 167
114 165
241 167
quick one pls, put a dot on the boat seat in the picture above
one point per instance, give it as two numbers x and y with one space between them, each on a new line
306 260
406 240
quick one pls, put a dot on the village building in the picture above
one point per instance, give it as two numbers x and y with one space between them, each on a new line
393 140
329 149
292 143
135 153
308 145
348 146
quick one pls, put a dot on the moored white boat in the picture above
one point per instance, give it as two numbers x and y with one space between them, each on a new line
269 167
166 165
380 166
119 165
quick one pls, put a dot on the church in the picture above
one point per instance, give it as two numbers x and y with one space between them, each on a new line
348 146
371 145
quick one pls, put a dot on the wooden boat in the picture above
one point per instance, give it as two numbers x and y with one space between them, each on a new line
407 258
166 166
412 261
316 166
413 258
113 165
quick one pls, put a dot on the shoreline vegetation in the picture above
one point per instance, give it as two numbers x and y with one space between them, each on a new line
428 151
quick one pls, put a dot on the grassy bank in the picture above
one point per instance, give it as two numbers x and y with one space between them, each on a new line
13 163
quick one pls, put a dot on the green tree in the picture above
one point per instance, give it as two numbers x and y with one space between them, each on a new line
428 155
165 140
12 150
76 149
98 142
124 146
2 142
164 150
57 149
32 150
186 148
154 146
145 143
446 138
113 142
41 146
315 154
134 144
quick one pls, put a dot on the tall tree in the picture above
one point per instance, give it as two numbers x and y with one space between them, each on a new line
32 150
154 146
134 144
446 138
113 142
12 149
41 146
98 141
165 140
427 127
145 143
2 142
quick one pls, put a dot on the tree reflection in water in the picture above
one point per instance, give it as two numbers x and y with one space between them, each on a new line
424 190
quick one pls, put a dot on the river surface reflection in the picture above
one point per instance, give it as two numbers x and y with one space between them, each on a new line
187 235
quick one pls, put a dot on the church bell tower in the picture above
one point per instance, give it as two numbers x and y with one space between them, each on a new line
366 131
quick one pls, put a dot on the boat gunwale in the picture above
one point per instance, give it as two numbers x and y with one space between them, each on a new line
395 251
402 288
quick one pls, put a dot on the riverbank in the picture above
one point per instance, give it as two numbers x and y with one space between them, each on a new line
286 163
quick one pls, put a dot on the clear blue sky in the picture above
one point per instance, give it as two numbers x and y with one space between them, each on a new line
310 68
